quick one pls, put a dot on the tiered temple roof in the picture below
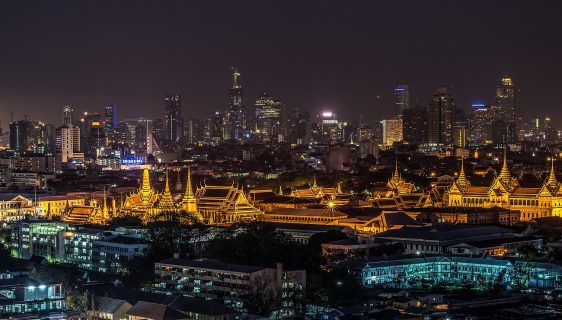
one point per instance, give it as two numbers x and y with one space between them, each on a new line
224 204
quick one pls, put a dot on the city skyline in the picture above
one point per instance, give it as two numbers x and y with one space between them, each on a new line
45 67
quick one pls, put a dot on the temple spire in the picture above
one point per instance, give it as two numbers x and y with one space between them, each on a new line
504 173
396 174
188 202
145 184
551 181
462 181
314 185
166 202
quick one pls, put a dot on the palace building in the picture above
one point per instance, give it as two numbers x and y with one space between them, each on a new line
505 192
148 203
316 192
224 204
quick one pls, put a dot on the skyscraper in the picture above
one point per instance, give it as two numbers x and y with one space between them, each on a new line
299 126
481 124
67 142
508 110
67 115
236 115
460 128
110 122
505 101
440 118
401 99
391 131
269 116
174 120
414 125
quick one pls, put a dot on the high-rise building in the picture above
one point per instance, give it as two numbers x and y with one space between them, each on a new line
414 125
440 119
391 131
67 142
193 131
96 139
550 133
330 129
460 128
298 126
503 133
269 118
111 122
482 117
505 101
67 115
22 136
174 120
215 132
236 114
401 99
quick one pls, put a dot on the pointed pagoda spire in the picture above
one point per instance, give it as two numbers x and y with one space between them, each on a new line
462 181
396 174
167 202
105 210
188 202
145 184
339 187
504 173
280 190
551 181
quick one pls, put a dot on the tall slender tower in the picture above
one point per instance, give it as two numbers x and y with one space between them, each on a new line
67 115
440 118
236 115
174 120
401 99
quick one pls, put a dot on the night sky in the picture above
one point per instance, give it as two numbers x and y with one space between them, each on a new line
319 55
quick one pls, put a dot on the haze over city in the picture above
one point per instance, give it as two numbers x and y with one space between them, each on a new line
318 55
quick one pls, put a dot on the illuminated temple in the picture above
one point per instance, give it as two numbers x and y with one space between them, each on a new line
315 192
505 192
225 204
397 186
147 203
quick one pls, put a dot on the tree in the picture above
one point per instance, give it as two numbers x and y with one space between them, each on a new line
76 300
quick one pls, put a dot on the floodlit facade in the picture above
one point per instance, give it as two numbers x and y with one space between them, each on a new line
505 192
408 272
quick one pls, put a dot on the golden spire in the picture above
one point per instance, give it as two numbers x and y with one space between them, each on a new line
188 202
396 174
166 202
462 181
504 173
105 210
280 190
339 187
145 185
551 181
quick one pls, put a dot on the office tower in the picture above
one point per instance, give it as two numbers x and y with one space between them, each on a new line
67 142
298 126
364 139
193 131
174 120
460 128
414 125
269 118
67 115
503 133
96 139
440 119
481 119
330 129
22 137
550 133
111 122
401 99
235 115
215 128
505 101
391 131
85 123
159 130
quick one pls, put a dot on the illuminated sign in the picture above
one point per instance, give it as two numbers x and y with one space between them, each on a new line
132 160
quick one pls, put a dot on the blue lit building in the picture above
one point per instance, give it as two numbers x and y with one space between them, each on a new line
416 271
22 295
